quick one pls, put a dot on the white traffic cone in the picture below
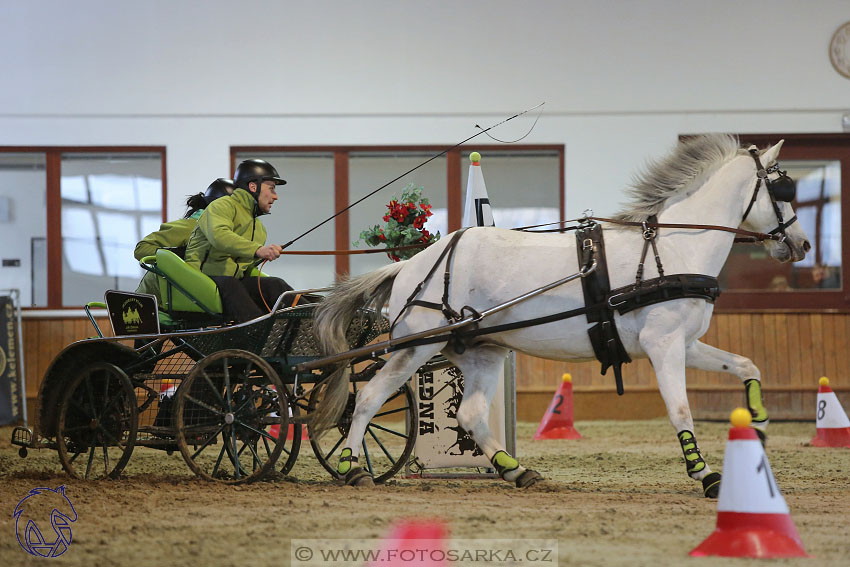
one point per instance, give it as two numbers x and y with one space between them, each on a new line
833 427
477 210
752 517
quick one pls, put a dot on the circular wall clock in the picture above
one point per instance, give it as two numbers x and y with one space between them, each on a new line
839 50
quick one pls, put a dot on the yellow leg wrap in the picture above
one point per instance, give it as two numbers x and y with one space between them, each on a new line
754 400
694 462
345 460
506 466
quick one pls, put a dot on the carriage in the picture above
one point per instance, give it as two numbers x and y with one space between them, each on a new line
229 398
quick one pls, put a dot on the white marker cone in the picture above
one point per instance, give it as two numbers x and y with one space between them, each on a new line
752 517
833 427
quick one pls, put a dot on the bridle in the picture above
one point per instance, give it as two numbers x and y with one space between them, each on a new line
781 189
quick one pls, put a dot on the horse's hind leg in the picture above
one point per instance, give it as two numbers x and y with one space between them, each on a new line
481 369
704 357
390 378
667 353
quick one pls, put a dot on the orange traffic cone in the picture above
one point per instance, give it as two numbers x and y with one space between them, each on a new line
752 517
557 423
167 388
414 543
833 427
274 430
290 435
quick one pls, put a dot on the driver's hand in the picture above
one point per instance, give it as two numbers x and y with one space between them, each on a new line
270 252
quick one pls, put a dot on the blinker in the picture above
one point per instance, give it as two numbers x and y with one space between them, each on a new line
783 188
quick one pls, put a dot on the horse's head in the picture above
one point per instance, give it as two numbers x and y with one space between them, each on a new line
769 208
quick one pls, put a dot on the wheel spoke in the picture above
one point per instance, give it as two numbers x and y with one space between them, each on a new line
207 442
388 430
90 395
256 456
260 432
212 387
237 465
368 459
110 403
113 439
217 461
106 389
105 460
334 448
389 412
91 460
381 445
254 395
204 405
399 392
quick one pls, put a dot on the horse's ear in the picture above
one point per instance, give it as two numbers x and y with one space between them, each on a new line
770 154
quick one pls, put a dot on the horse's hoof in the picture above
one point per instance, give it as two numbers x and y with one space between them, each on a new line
528 478
359 477
711 485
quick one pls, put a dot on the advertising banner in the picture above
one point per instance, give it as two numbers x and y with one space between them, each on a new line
441 443
11 390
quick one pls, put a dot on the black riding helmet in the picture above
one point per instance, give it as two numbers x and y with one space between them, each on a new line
219 188
256 170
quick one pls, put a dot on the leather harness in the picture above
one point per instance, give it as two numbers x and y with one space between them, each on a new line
600 300
603 301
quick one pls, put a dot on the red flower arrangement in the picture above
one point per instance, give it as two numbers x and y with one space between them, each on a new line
404 225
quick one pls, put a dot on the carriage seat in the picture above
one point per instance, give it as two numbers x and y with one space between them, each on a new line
183 287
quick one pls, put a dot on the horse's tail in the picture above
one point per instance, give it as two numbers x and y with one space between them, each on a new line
331 321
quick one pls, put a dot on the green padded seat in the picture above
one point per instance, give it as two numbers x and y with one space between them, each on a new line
193 280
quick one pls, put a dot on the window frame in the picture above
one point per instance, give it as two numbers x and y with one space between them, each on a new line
825 146
454 159
53 179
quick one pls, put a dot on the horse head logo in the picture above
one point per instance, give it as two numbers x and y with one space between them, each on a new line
38 505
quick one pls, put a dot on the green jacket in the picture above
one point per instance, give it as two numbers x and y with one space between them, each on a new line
170 234
227 236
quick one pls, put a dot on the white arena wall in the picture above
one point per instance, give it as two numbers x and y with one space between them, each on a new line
621 80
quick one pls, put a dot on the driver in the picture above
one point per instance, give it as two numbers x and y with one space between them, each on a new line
229 238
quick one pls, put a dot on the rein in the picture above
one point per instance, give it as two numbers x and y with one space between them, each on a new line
750 236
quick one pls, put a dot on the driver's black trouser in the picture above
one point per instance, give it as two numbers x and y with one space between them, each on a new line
241 299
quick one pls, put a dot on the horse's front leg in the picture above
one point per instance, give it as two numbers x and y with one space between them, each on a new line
667 353
704 357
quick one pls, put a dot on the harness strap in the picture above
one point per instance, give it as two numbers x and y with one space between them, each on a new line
628 298
449 249
606 342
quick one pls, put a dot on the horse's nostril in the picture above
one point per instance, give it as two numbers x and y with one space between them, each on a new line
806 246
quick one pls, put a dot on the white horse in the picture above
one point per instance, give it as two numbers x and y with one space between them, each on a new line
707 180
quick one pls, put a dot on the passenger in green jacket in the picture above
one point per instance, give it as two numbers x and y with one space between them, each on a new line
229 239
175 234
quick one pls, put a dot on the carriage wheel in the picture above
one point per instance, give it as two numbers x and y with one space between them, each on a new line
97 424
229 409
389 439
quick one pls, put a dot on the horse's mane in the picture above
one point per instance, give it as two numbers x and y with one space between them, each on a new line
687 166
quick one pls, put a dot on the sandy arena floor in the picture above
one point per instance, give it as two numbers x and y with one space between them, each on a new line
617 497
